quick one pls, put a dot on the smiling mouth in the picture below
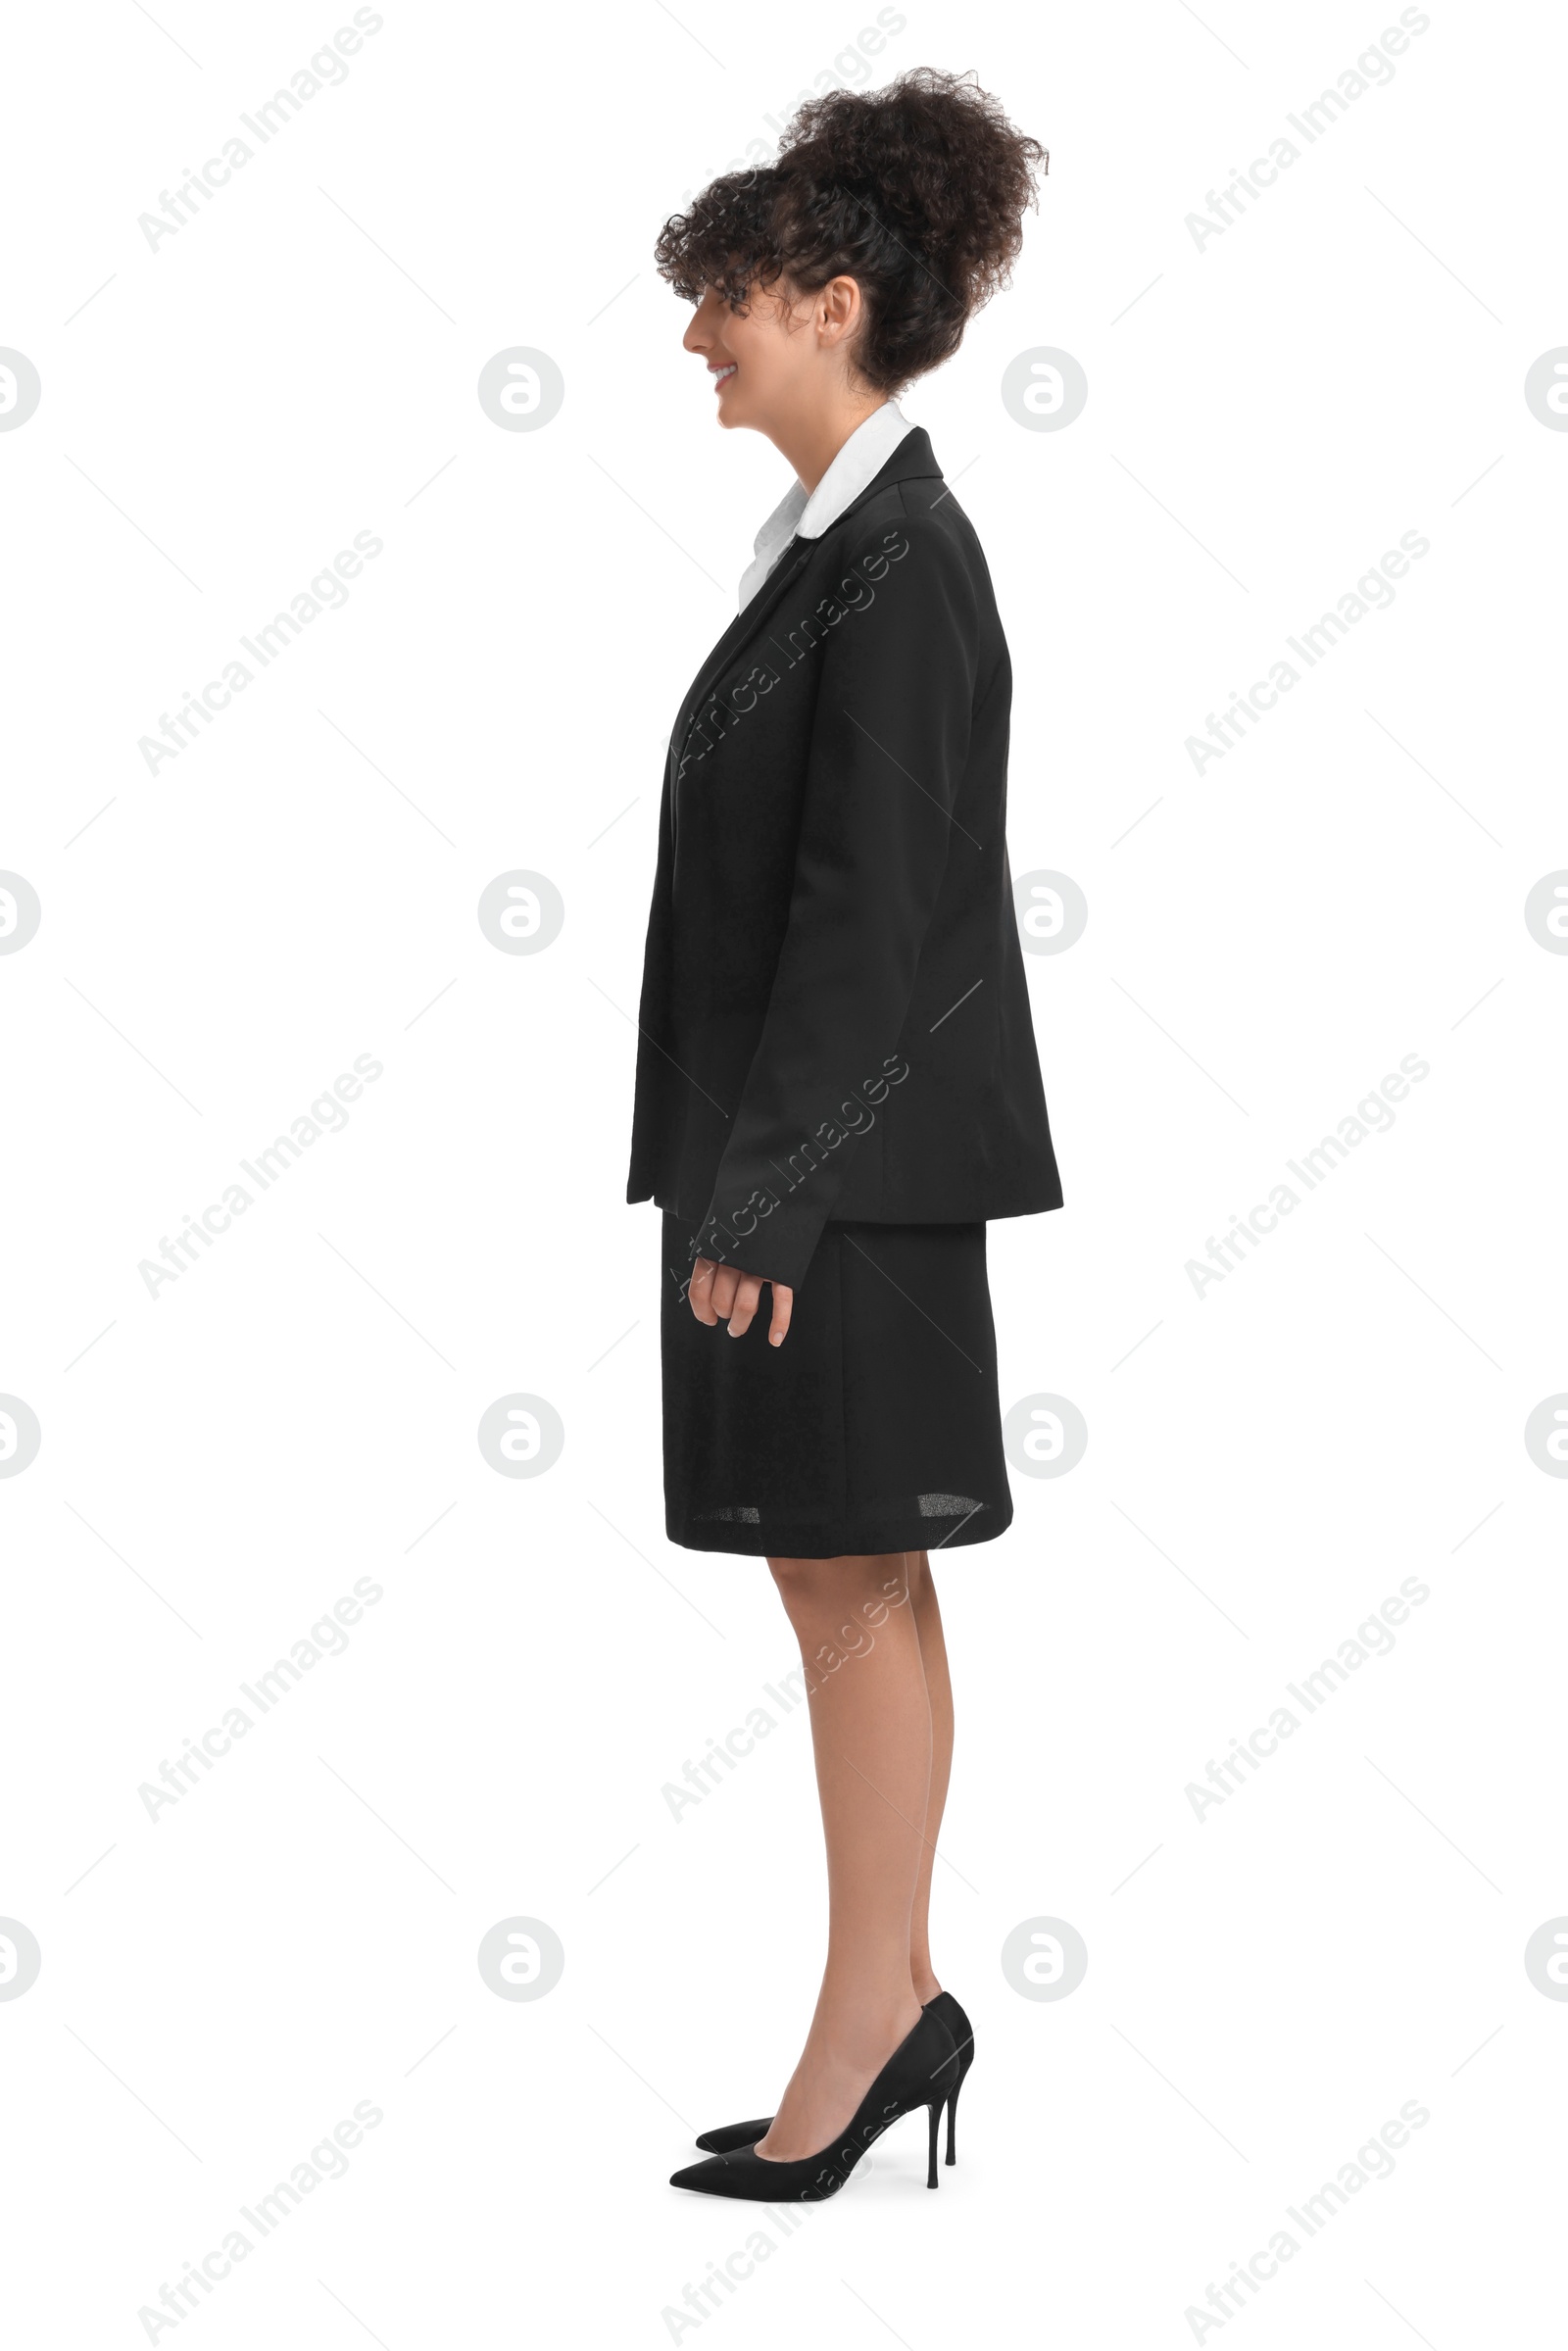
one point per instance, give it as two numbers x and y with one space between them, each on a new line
723 374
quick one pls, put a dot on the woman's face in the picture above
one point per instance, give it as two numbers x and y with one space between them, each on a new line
770 362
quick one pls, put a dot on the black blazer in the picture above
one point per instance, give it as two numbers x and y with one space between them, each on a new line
834 1019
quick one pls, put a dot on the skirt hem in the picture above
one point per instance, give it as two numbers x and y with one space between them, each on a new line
866 1539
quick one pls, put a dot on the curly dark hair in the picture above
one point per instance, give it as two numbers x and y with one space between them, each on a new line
917 190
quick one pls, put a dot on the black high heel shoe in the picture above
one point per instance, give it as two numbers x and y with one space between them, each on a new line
730 2135
923 2071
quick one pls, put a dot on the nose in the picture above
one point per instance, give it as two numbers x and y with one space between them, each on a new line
700 334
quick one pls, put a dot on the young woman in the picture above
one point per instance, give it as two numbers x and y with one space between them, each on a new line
837 1083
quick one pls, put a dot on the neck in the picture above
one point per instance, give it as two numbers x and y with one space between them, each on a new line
810 443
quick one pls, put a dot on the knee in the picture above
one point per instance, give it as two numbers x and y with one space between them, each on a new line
801 1580
858 1579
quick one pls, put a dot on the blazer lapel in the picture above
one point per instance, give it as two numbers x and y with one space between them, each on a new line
913 458
746 622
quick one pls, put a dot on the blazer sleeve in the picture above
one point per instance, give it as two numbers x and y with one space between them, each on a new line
886 753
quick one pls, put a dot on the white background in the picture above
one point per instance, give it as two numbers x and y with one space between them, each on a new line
1266 1463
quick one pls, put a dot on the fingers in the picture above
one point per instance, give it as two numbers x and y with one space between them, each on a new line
712 1290
746 1297
700 1290
722 1293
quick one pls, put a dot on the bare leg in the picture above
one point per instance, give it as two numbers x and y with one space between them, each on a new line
871 1734
938 1688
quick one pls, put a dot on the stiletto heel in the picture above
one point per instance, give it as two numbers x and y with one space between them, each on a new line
921 2071
731 2135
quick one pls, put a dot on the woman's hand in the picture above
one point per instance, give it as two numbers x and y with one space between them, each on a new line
724 1293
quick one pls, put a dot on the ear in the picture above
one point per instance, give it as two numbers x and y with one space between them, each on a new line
839 310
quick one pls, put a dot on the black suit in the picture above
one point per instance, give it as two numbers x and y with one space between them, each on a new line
834 1017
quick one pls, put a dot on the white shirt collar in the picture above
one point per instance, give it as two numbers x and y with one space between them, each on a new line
804 515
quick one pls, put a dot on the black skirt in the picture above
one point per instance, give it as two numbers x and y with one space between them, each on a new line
874 1427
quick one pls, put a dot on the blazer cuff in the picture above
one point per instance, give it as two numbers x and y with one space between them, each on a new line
777 1242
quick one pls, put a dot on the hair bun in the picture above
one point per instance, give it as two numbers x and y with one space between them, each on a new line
917 190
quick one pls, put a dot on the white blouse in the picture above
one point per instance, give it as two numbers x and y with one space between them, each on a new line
807 514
